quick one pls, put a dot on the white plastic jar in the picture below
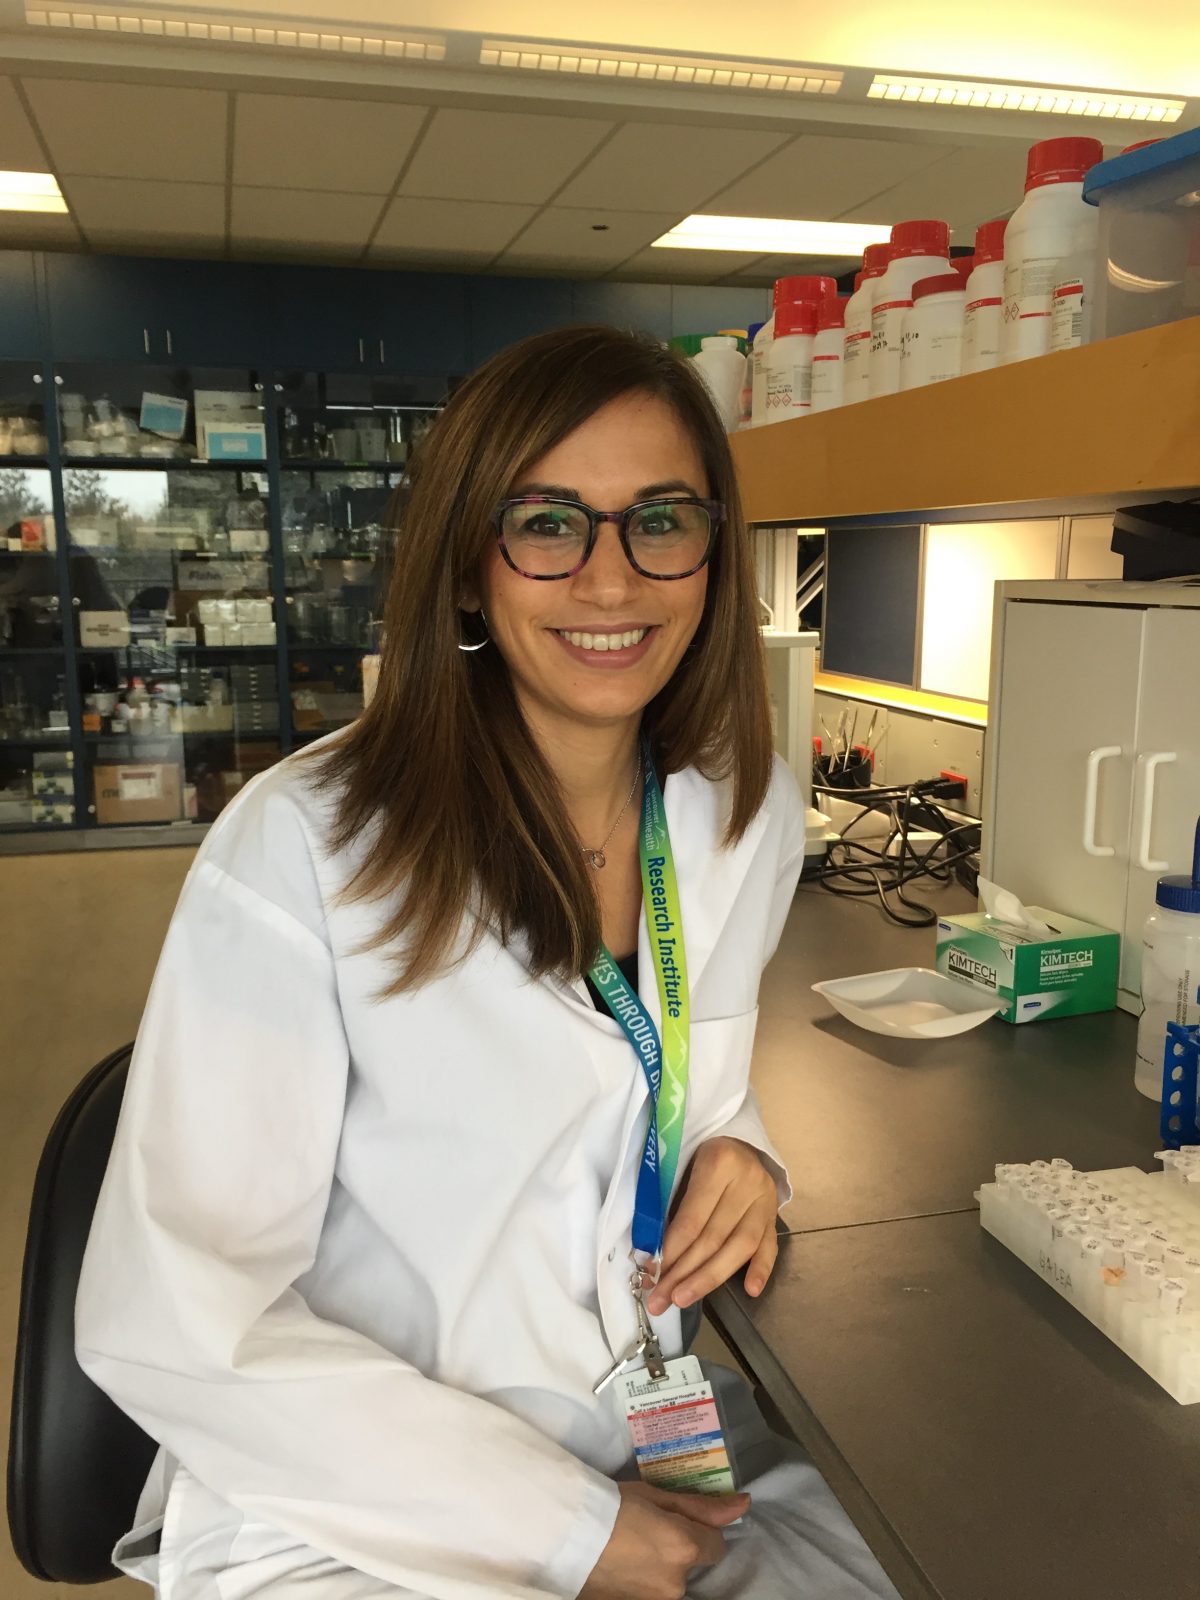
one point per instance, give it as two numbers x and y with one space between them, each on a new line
746 417
1170 972
931 337
984 316
722 366
804 286
789 361
1052 238
827 359
918 250
856 346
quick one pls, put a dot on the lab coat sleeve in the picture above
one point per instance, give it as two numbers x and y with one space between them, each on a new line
211 1209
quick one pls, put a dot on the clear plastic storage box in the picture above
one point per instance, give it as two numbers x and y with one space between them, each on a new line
1149 268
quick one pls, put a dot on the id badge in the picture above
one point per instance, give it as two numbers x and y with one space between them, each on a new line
678 1438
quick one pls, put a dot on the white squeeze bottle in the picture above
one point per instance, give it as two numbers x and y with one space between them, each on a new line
1170 971
806 286
828 355
919 250
931 340
856 346
985 300
1052 238
722 366
789 361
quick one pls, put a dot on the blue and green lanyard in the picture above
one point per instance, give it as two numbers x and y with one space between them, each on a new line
664 1060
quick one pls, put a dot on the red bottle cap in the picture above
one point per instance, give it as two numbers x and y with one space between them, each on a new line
920 239
1140 145
989 241
1066 160
807 287
963 265
875 260
831 314
943 283
795 316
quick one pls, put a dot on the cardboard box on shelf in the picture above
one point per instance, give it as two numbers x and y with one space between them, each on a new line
234 441
137 792
103 630
248 540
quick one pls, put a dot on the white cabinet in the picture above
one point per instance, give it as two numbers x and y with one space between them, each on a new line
1092 786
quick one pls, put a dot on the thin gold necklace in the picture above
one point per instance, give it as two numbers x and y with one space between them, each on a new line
596 858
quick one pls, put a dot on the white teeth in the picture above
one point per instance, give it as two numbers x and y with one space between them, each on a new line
605 641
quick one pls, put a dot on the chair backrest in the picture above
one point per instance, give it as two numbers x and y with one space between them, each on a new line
76 1463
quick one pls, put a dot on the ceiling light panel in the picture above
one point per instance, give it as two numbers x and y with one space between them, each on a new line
1024 97
590 61
31 191
772 236
199 28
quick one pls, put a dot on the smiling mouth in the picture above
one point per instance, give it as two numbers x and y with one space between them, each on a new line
603 641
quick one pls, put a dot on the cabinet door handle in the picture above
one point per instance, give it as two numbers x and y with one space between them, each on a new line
170 347
382 353
146 340
1148 765
362 352
1102 753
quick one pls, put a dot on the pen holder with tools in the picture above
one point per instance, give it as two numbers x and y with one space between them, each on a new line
849 771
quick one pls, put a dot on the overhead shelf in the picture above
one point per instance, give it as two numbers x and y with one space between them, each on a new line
1115 420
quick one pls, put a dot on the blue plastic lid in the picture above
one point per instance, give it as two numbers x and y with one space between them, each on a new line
752 330
1182 893
1139 163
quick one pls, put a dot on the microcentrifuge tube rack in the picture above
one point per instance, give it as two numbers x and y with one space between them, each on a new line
1123 1246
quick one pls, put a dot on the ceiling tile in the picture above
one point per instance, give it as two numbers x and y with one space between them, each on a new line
685 266
32 230
124 130
773 267
307 223
19 149
499 155
111 210
560 237
294 142
965 188
648 166
820 176
459 229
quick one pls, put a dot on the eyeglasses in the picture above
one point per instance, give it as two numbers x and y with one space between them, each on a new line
542 537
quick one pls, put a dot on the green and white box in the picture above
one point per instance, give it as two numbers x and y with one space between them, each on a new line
1070 971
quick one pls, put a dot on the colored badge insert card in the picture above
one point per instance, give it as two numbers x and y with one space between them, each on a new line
676 1430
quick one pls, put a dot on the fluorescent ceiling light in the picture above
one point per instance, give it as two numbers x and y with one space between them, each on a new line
593 61
31 191
1025 97
773 236
198 28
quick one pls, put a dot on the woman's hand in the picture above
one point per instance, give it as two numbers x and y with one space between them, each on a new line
657 1539
725 1218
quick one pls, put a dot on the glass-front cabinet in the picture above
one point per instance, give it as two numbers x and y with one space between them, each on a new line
193 564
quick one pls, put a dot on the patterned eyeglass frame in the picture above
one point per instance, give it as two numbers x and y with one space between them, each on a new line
714 508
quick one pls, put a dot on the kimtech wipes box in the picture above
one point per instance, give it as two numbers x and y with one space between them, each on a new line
1060 968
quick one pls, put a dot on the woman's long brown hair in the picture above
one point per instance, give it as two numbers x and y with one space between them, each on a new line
466 827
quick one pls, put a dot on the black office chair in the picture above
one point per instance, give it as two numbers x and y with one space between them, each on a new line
76 1463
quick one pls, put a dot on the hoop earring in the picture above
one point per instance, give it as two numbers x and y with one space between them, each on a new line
487 639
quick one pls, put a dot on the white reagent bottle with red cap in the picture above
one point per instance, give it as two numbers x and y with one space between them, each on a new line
985 300
856 346
805 286
1052 237
919 250
828 358
789 361
931 341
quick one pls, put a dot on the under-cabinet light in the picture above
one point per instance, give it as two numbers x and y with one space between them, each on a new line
31 191
1024 97
773 236
593 61
195 27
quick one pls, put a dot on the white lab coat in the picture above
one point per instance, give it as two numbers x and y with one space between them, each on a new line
357 1264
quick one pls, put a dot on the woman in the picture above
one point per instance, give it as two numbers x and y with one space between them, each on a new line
362 1255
